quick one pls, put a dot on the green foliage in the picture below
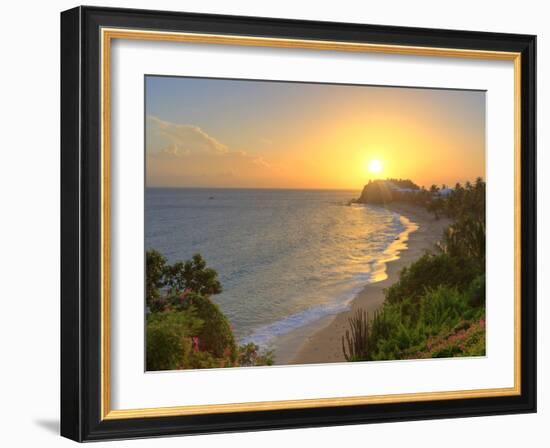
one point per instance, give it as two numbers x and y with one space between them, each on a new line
474 344
441 309
408 327
155 264
169 339
436 205
216 335
358 341
467 201
164 280
430 271
193 275
465 239
250 355
476 291
461 203
185 328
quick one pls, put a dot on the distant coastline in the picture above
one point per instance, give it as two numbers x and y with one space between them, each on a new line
320 342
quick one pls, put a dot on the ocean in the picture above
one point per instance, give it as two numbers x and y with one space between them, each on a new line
285 258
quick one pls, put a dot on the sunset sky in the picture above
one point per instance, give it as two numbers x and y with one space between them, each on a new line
263 134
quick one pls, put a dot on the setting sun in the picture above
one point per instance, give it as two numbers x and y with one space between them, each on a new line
353 134
375 166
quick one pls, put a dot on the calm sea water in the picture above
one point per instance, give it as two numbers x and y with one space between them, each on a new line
285 257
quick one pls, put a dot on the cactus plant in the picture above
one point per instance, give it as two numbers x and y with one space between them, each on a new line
358 341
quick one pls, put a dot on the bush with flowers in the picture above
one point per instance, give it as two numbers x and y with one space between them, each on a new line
185 329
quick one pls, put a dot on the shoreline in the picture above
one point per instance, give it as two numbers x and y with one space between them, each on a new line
320 341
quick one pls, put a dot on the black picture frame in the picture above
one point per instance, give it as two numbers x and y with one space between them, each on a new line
81 224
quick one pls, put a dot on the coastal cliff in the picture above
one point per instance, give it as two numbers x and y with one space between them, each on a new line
387 191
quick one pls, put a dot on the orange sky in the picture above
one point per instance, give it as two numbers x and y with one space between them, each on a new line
254 134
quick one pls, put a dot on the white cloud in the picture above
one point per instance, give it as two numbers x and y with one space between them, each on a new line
185 155
179 139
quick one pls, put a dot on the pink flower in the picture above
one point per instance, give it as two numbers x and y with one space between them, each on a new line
184 295
195 340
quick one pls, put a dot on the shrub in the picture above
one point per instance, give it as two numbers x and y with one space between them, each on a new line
192 275
442 308
185 329
250 355
164 280
476 291
155 267
407 328
431 271
216 335
169 339
465 239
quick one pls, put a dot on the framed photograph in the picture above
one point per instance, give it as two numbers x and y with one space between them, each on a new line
273 223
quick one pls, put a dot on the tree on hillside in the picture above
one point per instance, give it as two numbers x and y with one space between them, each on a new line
164 280
185 328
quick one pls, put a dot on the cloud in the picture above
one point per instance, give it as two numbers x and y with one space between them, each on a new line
185 155
180 139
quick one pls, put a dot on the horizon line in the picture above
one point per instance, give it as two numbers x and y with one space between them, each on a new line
196 187
252 188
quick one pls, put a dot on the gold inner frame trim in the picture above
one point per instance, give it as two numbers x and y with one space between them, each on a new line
107 35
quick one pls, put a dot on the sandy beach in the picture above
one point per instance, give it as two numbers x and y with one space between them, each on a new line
320 342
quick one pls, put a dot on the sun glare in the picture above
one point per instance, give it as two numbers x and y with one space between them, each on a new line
375 166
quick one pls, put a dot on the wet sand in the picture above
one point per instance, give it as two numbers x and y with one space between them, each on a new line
321 341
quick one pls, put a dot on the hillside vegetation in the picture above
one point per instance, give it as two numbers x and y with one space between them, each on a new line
185 329
437 307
